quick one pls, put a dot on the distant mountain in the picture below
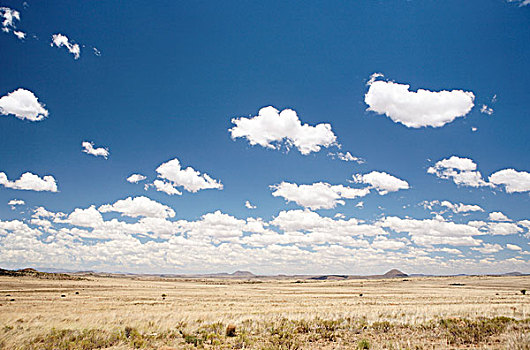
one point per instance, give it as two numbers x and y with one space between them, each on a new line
243 274
29 272
395 273
514 273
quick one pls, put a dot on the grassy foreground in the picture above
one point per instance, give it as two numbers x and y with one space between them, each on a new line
119 313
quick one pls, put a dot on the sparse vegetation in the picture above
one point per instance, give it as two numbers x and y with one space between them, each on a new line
208 314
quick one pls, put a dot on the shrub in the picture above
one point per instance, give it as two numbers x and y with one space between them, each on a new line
523 291
231 330
363 344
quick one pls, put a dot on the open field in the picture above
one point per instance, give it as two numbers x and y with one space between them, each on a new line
123 313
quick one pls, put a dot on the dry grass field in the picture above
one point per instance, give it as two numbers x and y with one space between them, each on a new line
125 313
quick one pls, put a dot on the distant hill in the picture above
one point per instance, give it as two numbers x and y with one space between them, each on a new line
395 273
29 272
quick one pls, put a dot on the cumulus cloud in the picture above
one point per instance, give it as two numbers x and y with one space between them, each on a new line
23 104
463 171
191 180
270 128
139 206
381 181
135 178
60 40
88 148
30 182
430 232
249 205
513 180
498 216
89 217
416 109
318 195
346 157
382 242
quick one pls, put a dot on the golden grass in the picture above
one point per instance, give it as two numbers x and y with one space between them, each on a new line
268 314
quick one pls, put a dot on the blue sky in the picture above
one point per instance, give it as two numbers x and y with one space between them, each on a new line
444 120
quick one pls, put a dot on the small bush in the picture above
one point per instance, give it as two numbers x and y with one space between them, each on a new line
363 344
523 291
383 326
231 330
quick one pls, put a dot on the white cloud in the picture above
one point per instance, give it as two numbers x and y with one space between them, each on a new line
488 248
430 232
139 206
486 110
514 181
474 129
271 127
460 207
417 109
521 3
8 17
360 204
30 182
318 195
96 52
135 178
23 104
190 179
165 187
381 181
60 40
14 202
88 148
381 242
513 247
498 216
461 170
347 157
249 205
19 34
89 217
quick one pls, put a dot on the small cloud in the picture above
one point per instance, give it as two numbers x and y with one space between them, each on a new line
8 17
96 52
498 216
20 35
416 109
88 148
135 178
346 157
14 202
513 180
249 205
360 205
486 110
60 40
474 129
381 181
23 104
30 182
339 216
272 128
463 171
513 247
173 175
